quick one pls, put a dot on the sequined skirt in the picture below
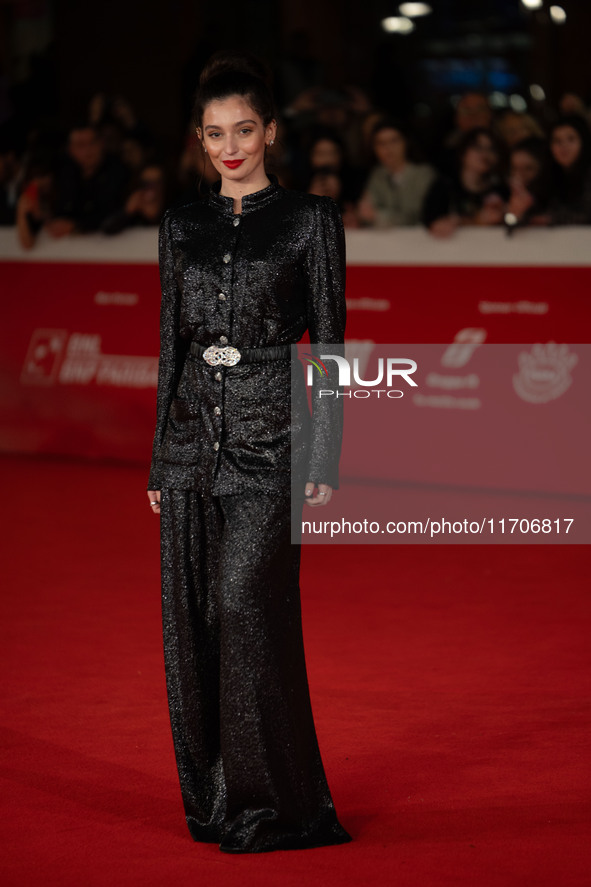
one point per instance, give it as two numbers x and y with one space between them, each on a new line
249 765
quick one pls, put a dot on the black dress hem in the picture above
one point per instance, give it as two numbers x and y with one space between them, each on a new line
270 840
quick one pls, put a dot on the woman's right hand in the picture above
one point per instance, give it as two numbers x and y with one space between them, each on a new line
154 499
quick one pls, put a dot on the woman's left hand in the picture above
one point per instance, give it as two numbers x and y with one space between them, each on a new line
322 496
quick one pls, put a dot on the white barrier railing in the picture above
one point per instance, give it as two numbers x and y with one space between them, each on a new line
569 245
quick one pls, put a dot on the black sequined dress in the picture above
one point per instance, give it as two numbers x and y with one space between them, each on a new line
249 765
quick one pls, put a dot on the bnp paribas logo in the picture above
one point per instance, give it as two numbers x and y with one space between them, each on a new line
344 373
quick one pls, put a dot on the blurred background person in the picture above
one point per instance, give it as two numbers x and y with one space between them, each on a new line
116 120
135 154
324 149
395 190
91 185
472 111
475 194
195 171
326 181
512 127
370 120
144 206
529 183
570 145
339 111
36 202
571 103
10 177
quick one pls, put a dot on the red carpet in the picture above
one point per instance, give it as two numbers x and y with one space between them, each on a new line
450 687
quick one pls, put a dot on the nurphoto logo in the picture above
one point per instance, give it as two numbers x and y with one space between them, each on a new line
389 370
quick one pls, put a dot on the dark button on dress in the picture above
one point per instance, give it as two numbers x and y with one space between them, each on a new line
249 765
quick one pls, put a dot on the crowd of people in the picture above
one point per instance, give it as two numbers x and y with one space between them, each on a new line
492 167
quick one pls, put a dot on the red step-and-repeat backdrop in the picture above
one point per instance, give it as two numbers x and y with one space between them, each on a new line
79 344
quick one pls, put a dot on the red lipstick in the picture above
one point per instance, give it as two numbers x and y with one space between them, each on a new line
232 164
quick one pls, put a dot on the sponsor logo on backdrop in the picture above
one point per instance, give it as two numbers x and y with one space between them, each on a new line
56 357
125 299
465 343
368 303
521 307
455 356
544 372
43 357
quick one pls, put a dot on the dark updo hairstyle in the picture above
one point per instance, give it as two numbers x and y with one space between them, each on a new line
231 72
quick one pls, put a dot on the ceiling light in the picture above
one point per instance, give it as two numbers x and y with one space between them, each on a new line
532 4
414 10
537 92
397 24
517 103
497 100
558 15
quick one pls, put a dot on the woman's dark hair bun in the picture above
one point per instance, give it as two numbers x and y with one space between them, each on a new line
235 61
231 72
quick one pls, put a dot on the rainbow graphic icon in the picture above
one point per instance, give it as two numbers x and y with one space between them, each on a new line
314 361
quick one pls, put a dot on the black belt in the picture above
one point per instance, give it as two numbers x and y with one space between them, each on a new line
227 355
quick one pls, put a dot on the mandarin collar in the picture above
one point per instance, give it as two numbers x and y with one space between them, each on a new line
250 202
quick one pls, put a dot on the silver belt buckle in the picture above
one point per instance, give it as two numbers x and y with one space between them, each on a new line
226 355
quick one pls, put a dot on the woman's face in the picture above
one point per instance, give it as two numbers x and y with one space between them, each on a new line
481 157
234 134
325 153
524 167
565 145
390 148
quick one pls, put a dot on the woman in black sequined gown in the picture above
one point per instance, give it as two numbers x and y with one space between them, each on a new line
252 266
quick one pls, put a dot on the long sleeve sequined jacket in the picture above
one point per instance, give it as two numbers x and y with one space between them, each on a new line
258 278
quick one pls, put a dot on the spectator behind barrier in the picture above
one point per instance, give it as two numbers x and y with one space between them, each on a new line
571 103
475 195
472 112
144 206
326 181
195 171
341 111
396 188
90 185
116 121
10 176
37 200
109 178
529 183
513 126
570 145
325 149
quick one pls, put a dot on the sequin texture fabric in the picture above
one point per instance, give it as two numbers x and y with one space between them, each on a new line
249 765
260 278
